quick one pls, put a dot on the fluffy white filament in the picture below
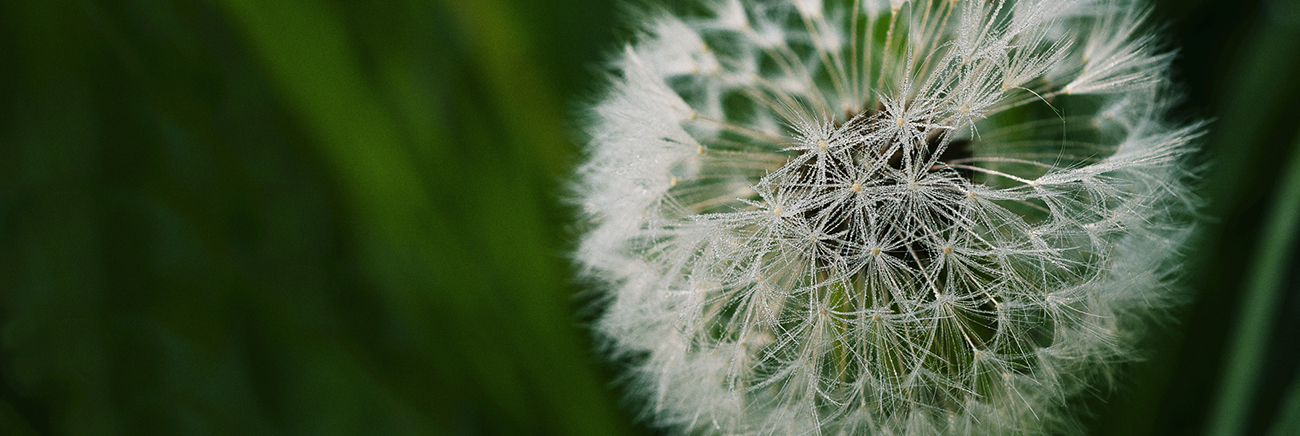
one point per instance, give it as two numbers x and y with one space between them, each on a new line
882 217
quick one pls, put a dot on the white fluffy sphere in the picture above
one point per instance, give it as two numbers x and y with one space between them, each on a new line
882 217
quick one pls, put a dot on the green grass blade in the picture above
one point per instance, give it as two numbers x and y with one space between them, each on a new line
1288 413
1248 348
457 240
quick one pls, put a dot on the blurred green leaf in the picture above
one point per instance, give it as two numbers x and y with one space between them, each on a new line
503 316
1255 96
1236 398
1287 420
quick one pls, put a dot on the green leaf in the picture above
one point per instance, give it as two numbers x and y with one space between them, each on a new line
1248 348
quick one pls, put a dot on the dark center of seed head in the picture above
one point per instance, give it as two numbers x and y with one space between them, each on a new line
835 219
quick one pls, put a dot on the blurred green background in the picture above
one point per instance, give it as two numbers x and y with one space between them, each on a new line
326 217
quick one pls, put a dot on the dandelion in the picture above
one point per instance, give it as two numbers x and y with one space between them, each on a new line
882 217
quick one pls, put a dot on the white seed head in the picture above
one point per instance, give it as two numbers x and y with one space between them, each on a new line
882 217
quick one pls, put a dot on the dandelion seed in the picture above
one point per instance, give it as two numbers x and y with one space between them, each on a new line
1016 199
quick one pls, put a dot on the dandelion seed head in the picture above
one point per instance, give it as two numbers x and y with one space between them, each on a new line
871 217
